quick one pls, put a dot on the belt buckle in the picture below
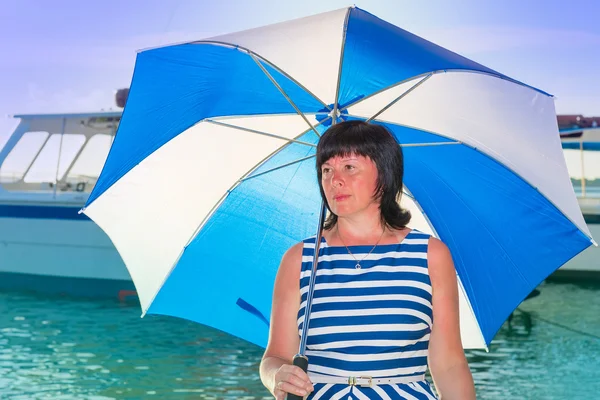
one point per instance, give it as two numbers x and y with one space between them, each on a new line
369 379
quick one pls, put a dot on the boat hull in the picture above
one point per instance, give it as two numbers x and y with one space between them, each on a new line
56 250
586 265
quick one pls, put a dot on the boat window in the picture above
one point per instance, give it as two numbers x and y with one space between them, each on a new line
88 165
21 156
588 162
60 150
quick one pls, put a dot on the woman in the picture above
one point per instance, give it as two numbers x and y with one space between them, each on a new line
380 286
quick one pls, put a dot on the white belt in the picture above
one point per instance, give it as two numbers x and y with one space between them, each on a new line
365 381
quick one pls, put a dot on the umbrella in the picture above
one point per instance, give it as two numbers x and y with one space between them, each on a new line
211 175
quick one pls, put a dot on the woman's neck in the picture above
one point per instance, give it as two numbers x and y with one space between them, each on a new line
360 228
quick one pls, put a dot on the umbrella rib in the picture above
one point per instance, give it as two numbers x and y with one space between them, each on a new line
424 144
339 79
276 115
259 132
262 67
452 140
360 100
253 54
438 72
428 144
413 87
247 175
276 168
238 116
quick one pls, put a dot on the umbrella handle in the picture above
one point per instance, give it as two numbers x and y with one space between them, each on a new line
302 362
311 282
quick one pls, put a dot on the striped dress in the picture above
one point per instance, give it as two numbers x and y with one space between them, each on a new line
374 321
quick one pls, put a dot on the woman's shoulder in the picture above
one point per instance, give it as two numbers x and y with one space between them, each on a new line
439 261
295 250
438 253
437 248
290 266
292 258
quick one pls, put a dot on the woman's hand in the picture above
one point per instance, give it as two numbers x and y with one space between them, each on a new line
276 370
291 379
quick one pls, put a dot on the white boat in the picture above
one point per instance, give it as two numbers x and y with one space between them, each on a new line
48 167
582 146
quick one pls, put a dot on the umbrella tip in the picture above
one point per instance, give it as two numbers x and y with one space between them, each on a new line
81 211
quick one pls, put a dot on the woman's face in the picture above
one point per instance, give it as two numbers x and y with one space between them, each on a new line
349 184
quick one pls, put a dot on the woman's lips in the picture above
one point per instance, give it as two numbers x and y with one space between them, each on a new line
341 197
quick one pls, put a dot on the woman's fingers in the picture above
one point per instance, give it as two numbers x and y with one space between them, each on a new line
290 388
294 375
279 394
300 381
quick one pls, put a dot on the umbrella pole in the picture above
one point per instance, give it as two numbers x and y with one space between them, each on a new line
300 359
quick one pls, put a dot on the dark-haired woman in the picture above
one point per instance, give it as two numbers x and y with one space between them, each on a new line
385 301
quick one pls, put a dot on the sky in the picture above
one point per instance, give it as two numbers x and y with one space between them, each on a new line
68 56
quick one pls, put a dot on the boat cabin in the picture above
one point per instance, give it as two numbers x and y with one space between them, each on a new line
56 155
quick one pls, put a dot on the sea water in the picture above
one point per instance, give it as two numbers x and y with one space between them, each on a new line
66 348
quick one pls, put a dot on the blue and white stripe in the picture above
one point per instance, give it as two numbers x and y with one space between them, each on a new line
373 321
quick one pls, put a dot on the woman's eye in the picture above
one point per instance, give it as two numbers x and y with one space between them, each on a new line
325 170
350 167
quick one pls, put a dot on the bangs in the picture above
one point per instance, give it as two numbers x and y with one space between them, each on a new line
346 139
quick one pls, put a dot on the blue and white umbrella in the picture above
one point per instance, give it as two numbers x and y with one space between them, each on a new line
211 176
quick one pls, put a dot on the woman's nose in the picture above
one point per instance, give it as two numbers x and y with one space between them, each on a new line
336 181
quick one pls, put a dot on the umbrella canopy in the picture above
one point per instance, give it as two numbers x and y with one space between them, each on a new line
211 176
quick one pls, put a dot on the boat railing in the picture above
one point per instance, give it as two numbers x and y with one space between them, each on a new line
12 181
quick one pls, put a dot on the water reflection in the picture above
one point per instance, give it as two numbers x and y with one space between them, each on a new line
71 349
541 353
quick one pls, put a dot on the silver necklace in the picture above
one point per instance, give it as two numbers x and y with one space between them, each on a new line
358 266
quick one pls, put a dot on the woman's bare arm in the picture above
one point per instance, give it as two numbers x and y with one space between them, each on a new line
276 370
447 361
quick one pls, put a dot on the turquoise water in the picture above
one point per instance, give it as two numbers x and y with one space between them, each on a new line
60 348
590 191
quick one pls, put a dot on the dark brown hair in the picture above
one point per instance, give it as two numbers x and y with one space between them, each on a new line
377 143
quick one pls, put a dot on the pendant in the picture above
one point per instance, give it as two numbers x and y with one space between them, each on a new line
357 265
